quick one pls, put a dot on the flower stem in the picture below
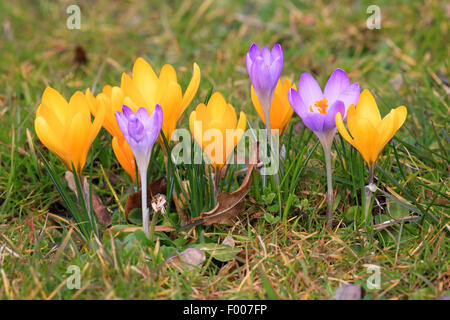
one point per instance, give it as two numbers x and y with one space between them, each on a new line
270 142
330 196
145 215
216 185
368 194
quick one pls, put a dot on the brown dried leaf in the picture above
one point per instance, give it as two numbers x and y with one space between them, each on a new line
230 205
153 188
100 210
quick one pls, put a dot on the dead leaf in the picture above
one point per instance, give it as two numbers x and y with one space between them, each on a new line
153 188
230 205
103 215
349 291
190 258
80 56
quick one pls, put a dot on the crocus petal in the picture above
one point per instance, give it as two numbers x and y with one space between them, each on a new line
367 108
314 121
389 125
122 121
296 102
275 70
350 96
277 52
337 83
329 121
156 120
309 89
192 88
127 111
342 130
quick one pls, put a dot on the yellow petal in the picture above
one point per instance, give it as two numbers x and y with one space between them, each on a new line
51 140
389 126
170 104
367 108
124 155
341 128
55 101
77 139
145 80
364 133
192 88
130 90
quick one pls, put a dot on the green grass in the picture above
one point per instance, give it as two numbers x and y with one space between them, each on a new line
403 63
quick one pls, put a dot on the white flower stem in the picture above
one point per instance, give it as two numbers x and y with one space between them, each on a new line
368 194
270 141
330 196
145 215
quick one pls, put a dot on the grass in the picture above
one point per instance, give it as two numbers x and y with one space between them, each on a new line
291 257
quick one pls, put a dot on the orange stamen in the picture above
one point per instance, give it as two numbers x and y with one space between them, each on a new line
321 106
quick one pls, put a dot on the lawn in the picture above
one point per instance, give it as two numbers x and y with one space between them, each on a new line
278 247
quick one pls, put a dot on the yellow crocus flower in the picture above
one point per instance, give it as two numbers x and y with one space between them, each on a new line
217 120
65 128
145 89
368 133
280 110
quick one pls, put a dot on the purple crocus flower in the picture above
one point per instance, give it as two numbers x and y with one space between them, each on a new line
264 68
318 111
141 131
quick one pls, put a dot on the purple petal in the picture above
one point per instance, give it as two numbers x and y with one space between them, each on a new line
127 111
277 52
336 84
296 102
122 121
349 96
136 129
265 53
155 124
329 121
309 89
142 115
275 71
254 51
314 121
261 78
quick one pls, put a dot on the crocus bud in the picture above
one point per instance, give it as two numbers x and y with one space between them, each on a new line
264 68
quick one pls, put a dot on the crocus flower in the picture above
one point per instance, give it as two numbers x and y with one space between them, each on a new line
141 131
280 110
65 128
264 68
219 116
145 89
368 133
318 110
